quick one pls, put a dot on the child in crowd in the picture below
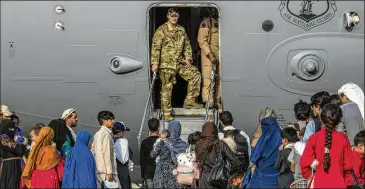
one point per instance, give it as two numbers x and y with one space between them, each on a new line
294 159
289 138
193 138
336 99
163 136
358 152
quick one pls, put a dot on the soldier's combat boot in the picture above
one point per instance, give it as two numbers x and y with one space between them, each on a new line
191 104
168 117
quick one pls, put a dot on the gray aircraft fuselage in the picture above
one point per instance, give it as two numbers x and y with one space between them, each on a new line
56 55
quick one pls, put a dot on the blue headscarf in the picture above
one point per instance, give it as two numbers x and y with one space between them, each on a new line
264 156
174 141
79 170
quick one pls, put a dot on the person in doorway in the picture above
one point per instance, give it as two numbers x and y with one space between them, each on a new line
103 151
148 164
352 122
208 39
171 53
71 119
123 154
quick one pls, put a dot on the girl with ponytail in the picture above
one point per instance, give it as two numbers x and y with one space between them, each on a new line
331 149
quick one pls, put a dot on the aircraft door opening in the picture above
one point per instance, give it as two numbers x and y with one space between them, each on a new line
201 25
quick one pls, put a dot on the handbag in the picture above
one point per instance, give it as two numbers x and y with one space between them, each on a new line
356 185
220 173
110 184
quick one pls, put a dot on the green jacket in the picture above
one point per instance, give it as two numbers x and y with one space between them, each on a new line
169 48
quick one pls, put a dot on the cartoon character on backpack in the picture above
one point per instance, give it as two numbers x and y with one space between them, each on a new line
186 169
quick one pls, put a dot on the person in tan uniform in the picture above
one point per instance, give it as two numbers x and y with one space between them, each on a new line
208 38
171 53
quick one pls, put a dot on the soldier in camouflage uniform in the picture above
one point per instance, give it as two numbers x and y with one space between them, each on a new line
171 53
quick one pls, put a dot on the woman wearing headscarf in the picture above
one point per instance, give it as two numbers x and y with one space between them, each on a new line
352 107
263 173
167 150
62 137
207 149
79 170
265 112
44 166
11 154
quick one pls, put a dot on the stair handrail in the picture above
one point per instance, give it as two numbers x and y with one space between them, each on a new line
145 109
212 75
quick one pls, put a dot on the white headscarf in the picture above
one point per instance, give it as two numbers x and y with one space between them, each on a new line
355 94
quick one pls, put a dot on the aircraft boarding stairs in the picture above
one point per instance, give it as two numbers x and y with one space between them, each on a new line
191 120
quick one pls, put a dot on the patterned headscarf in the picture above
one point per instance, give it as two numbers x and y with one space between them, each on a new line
43 155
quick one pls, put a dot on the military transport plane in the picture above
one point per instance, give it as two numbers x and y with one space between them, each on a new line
95 56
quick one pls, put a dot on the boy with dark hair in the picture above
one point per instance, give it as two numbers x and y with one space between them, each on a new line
148 164
358 152
241 139
302 111
318 101
103 150
123 153
194 137
283 165
336 99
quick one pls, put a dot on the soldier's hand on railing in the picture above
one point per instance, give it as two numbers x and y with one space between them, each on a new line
154 67
187 64
212 58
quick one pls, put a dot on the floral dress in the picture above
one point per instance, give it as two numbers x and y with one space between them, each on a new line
164 177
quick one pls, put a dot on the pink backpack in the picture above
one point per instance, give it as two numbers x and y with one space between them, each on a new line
187 168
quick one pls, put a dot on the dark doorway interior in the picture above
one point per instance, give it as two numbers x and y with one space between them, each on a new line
190 18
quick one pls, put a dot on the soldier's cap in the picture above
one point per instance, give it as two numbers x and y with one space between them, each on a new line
172 11
120 126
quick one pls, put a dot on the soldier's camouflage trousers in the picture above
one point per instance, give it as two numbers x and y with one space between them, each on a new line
168 79
206 72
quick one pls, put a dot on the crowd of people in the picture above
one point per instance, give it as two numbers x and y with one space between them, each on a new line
324 148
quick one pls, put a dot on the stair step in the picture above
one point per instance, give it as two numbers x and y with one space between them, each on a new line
191 112
188 125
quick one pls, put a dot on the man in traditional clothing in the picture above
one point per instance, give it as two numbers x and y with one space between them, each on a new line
352 107
70 117
171 53
103 150
208 38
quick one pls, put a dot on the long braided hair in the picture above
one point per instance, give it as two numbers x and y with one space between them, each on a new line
331 115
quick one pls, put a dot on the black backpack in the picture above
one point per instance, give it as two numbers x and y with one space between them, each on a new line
242 147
